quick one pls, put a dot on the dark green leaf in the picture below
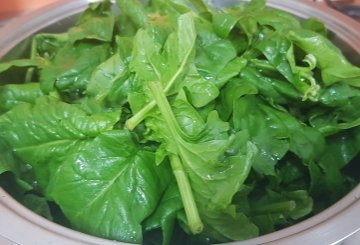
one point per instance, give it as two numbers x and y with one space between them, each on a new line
334 66
95 23
264 128
315 25
71 68
165 215
38 205
120 185
41 139
106 77
14 94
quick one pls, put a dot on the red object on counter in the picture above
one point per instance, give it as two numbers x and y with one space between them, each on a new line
11 8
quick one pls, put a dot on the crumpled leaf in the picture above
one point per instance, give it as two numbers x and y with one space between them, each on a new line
334 66
96 23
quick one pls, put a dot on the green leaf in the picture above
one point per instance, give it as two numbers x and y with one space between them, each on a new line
272 89
37 204
225 226
278 50
13 185
7 161
71 68
334 66
267 125
308 143
338 94
279 20
168 68
119 182
20 63
234 89
200 91
216 58
239 113
209 178
315 25
14 94
15 71
326 174
135 11
342 114
290 204
146 59
275 47
212 58
187 116
46 45
97 23
108 76
165 215
224 23
265 128
40 139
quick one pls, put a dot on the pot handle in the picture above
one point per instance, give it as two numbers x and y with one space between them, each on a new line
348 7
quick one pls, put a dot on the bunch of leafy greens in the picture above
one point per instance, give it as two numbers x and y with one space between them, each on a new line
177 123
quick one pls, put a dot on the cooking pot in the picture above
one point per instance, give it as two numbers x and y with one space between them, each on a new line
18 225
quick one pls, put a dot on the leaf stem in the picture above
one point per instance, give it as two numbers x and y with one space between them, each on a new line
279 207
30 71
138 117
132 122
191 210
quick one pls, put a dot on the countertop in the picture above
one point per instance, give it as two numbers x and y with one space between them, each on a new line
11 8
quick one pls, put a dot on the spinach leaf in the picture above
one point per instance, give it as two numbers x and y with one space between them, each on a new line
71 68
208 177
265 129
243 120
149 64
279 52
14 94
46 45
272 89
7 161
37 204
107 77
19 63
135 12
326 173
267 125
42 140
340 114
224 23
118 194
334 66
166 213
234 89
212 58
315 25
273 208
97 22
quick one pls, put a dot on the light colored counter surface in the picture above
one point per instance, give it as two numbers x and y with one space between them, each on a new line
9 8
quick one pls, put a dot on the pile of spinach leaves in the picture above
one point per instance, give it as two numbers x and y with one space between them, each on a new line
178 123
